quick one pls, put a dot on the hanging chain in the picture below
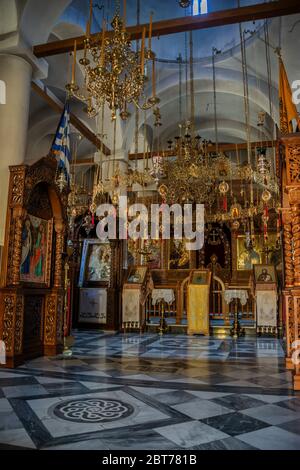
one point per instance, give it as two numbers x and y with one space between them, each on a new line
192 89
269 73
180 87
137 116
214 51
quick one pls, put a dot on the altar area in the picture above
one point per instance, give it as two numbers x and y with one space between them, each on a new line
189 300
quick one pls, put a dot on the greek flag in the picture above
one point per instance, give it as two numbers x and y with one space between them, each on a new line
61 144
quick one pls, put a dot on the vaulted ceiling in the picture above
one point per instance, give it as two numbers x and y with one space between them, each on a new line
37 22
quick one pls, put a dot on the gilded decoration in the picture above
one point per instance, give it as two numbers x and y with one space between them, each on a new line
59 248
288 252
31 253
50 320
17 186
59 320
296 243
17 250
284 123
293 163
19 324
8 322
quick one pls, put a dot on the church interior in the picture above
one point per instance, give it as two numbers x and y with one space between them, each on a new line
109 110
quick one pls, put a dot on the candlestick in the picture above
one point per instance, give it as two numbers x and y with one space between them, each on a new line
124 12
74 62
103 43
153 78
89 23
143 52
150 31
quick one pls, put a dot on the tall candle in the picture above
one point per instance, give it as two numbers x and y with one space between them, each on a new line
89 23
124 12
150 31
153 78
143 52
103 43
74 62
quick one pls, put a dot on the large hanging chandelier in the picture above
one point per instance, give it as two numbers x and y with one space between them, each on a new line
114 73
189 176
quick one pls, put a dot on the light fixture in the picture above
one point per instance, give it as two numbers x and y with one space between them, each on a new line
114 73
185 3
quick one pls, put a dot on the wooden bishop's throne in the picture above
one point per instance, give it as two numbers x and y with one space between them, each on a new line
31 289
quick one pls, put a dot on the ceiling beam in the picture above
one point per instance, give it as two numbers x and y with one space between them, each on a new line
84 162
211 148
188 23
57 105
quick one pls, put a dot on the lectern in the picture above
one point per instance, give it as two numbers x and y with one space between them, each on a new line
135 291
198 302
265 281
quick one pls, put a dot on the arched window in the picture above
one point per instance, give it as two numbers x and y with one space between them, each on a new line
196 7
199 7
203 7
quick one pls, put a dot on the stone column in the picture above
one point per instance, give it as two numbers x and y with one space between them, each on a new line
16 74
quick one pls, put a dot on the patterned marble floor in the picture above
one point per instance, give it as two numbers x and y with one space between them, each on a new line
145 392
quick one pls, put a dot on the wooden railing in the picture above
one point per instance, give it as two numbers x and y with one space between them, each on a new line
176 311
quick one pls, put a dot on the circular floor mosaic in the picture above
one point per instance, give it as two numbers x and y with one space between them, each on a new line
93 410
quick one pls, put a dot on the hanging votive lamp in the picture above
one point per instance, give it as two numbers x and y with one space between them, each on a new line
266 196
224 188
235 211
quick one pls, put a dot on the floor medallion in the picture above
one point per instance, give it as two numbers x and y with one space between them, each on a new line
93 410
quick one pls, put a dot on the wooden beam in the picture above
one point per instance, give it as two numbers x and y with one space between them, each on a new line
58 106
188 23
211 148
84 162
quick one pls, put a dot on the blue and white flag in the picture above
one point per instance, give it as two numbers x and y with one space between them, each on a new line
61 144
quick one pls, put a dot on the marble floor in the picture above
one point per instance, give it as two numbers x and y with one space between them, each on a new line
146 392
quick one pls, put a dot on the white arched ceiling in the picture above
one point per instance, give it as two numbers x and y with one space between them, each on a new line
9 16
38 19
231 127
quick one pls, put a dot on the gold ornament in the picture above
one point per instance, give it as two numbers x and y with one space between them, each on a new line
235 225
114 72
266 195
223 188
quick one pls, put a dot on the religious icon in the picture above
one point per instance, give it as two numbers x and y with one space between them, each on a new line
247 254
95 263
253 253
137 275
34 250
264 276
179 256
26 247
200 277
265 273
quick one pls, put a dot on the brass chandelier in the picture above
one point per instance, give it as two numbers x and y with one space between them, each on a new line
114 73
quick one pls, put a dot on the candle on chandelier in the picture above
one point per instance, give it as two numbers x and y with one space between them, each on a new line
74 62
150 30
153 78
103 43
143 52
124 12
89 23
